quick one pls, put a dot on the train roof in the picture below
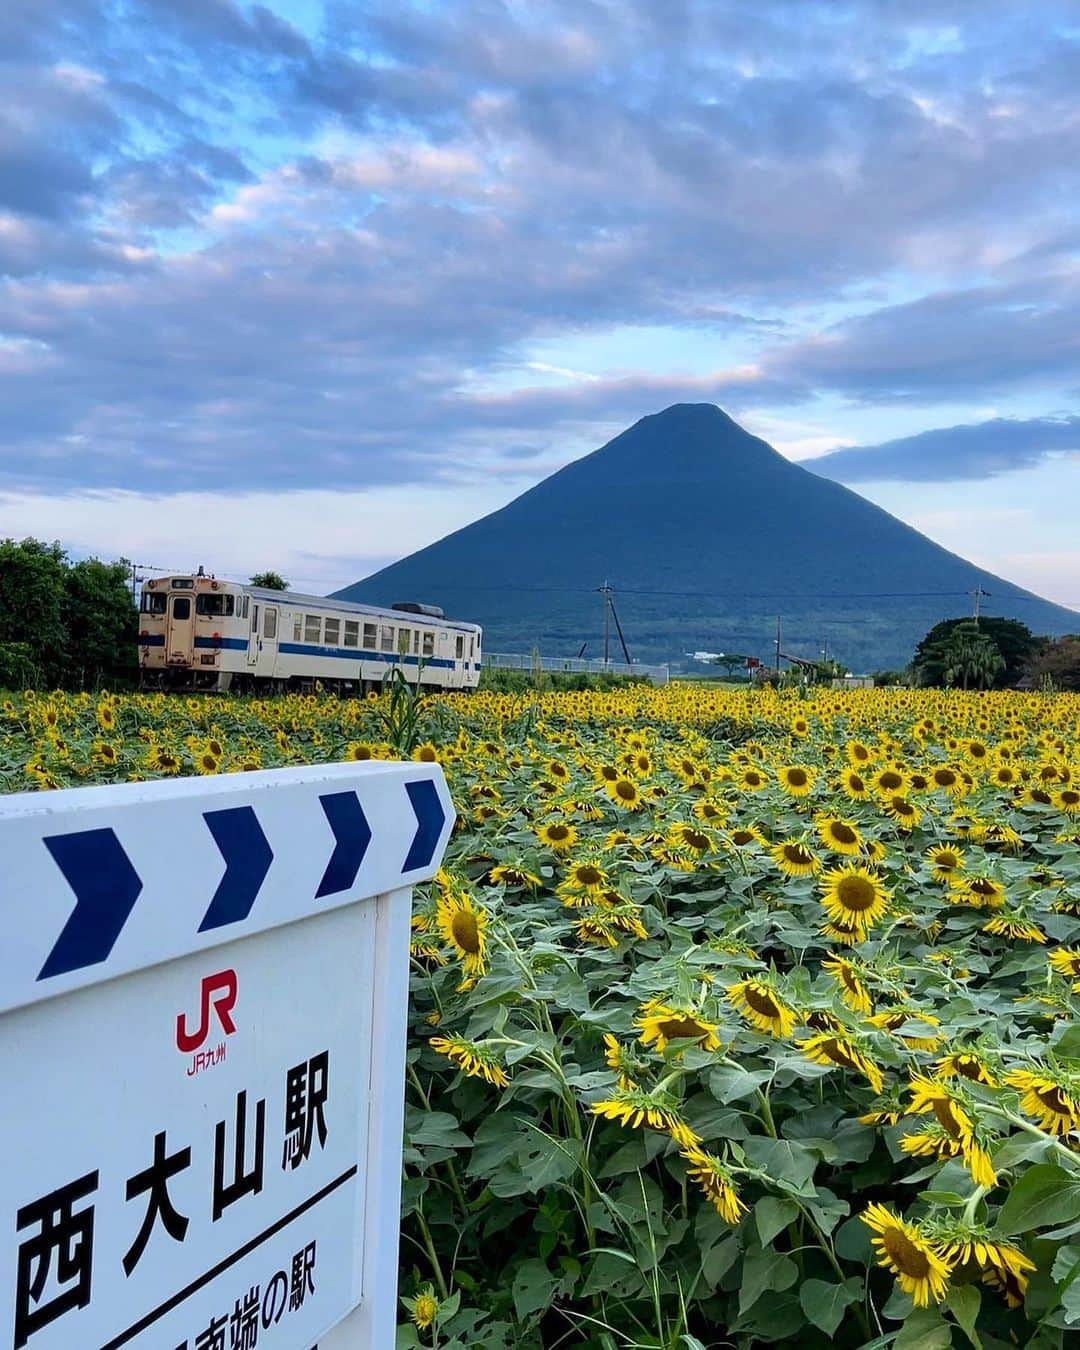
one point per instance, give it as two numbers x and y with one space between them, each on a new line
350 607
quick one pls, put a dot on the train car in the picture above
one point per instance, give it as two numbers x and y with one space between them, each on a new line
196 632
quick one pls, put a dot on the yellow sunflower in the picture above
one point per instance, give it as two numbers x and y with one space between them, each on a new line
558 835
462 926
1055 1106
795 779
838 1051
474 1058
944 862
852 990
716 1183
762 1007
919 1265
853 898
660 1023
794 859
838 835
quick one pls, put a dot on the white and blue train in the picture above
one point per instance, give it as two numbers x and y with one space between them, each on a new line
196 632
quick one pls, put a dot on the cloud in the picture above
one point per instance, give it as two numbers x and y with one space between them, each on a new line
950 454
237 250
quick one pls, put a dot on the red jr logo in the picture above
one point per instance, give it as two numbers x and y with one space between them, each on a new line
218 992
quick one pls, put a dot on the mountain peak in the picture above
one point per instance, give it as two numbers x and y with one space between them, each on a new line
707 534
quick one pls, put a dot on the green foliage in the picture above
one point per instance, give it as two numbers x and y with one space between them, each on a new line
1057 663
271 581
64 624
949 646
497 679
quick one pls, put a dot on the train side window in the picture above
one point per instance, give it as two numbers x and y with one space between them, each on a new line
297 628
312 628
472 648
386 638
429 642
416 641
332 632
242 608
153 602
181 607
269 623
352 633
369 637
459 647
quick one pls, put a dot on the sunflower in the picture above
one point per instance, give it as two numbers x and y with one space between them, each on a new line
1066 961
692 837
474 1058
905 1021
1068 800
584 879
462 926
620 1061
795 779
839 836
969 1249
1014 926
752 780
1055 1106
624 792
858 754
709 812
206 762
853 898
967 1064
745 836
635 1107
559 836
841 1051
944 862
762 1007
906 814
944 778
508 874
928 1094
659 1023
716 1182
852 990
794 859
889 781
982 892
919 1265
854 785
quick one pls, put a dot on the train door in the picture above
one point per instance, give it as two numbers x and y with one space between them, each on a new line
180 634
253 636
268 642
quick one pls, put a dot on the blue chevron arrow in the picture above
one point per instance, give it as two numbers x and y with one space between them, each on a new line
106 887
430 818
247 855
352 834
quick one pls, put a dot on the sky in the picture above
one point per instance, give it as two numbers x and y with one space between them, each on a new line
308 284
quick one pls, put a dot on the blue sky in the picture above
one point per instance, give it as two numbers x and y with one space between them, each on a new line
307 284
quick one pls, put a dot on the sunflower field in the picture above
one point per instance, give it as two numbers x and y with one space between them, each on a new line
738 1018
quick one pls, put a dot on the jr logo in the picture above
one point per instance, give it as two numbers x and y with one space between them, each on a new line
217 994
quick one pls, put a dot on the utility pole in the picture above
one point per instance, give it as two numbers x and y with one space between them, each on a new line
978 594
618 627
778 646
605 592
135 579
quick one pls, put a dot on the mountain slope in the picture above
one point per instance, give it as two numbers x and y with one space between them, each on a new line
706 533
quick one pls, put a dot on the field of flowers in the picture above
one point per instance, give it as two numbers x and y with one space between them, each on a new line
737 1018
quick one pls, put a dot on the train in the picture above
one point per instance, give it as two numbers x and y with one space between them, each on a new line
196 632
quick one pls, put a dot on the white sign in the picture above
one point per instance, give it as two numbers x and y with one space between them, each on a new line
203 988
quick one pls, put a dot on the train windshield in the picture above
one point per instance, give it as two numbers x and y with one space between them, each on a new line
217 605
153 602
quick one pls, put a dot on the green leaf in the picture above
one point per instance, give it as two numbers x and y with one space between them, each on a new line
772 1216
1045 1194
1067 1045
1064 1262
437 1128
924 1330
783 1161
728 1084
533 1288
824 1303
964 1302
763 1271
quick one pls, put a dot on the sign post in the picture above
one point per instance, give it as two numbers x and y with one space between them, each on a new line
203 991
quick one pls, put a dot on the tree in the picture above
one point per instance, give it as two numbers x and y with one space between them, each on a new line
970 657
1057 662
271 581
728 662
101 624
31 602
1014 641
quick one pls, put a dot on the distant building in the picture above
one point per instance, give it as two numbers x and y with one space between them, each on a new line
853 682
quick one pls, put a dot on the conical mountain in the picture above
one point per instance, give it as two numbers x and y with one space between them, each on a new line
706 534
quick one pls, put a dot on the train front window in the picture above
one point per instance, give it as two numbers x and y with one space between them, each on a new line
181 607
459 647
219 606
153 602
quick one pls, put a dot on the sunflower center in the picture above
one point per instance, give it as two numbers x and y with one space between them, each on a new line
741 836
856 783
676 1028
626 791
980 886
890 780
856 894
901 807
797 777
558 832
466 931
588 875
795 853
843 834
761 1001
1054 1099
696 839
906 1256
946 1118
